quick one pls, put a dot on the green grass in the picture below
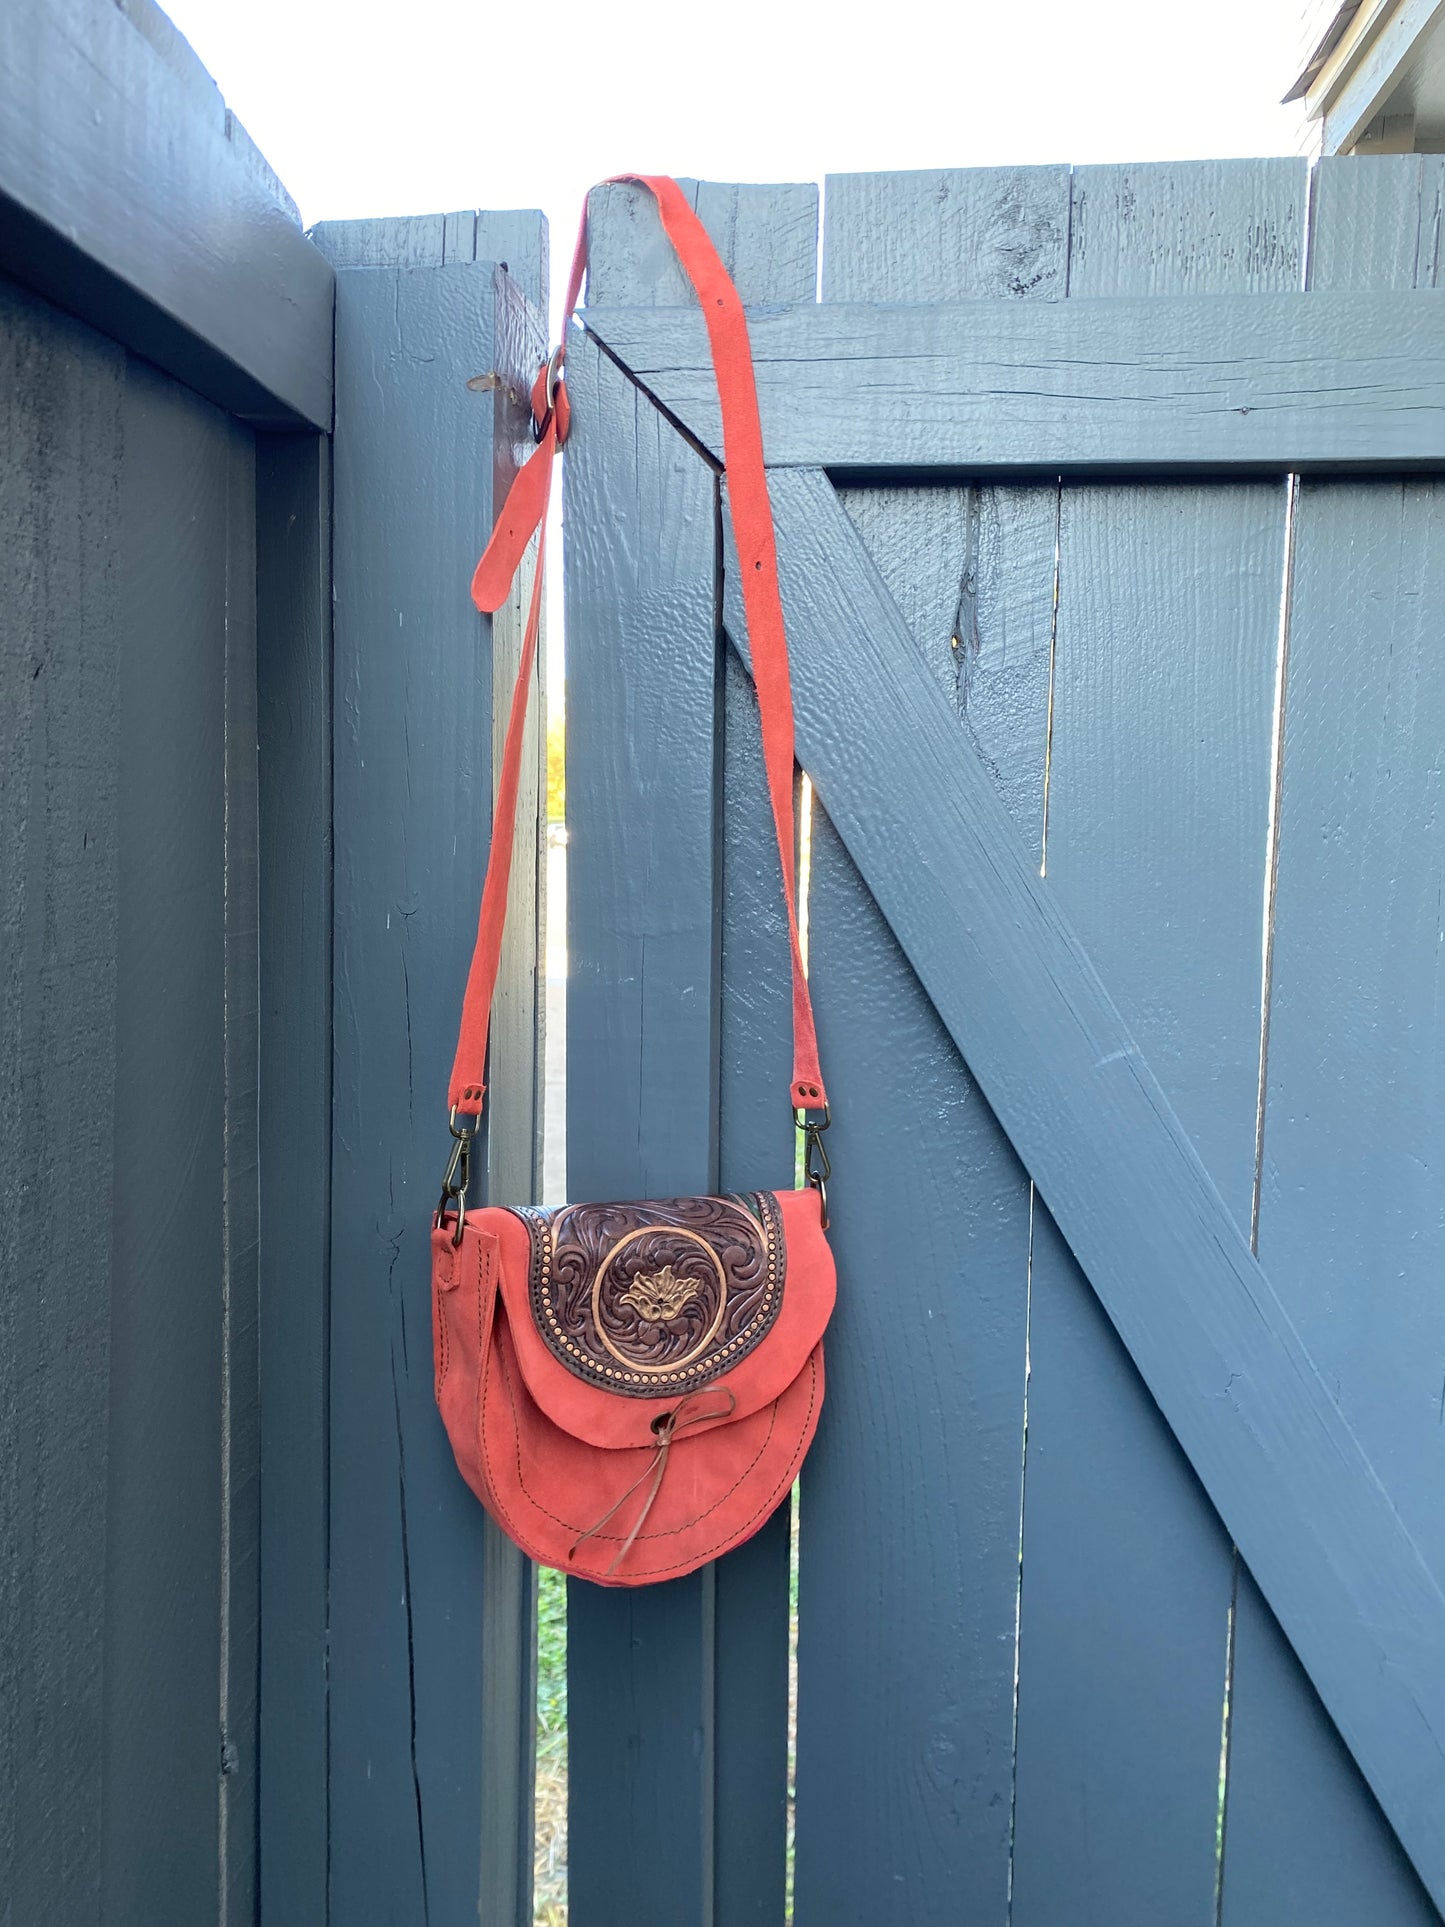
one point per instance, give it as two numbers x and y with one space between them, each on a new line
550 1865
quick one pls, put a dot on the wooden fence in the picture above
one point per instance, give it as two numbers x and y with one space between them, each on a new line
1111 550
1111 541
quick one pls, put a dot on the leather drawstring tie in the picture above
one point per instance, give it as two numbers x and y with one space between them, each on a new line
666 1428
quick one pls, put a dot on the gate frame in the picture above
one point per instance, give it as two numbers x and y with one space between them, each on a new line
1237 1386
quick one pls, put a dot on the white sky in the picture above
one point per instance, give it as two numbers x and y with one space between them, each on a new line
367 109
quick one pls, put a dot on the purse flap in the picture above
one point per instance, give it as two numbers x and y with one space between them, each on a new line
619 1310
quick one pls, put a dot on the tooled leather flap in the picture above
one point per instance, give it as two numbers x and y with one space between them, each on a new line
618 1310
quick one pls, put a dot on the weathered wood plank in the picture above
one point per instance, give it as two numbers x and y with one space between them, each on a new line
1158 383
516 240
912 1669
947 234
755 1150
767 235
62 394
164 1539
642 1000
293 675
647 1673
1162 688
1350 1217
1304 1840
130 195
1068 1082
240 1401
410 1700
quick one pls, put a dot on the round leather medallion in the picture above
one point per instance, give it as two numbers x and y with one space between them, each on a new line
649 1298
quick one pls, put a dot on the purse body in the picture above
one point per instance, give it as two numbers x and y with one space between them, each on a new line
630 1388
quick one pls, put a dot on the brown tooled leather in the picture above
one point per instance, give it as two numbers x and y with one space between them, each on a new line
650 1299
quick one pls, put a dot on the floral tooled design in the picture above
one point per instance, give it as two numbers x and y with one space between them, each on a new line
658 1296
650 1298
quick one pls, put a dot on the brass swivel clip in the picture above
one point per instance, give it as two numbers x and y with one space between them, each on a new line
551 383
458 1174
816 1167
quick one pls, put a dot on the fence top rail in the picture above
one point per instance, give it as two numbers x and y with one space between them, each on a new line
131 196
1158 384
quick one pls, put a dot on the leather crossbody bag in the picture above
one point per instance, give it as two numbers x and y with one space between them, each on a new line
630 1388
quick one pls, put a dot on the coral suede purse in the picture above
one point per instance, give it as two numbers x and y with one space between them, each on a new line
630 1389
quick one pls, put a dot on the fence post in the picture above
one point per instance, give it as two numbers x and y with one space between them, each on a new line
431 1610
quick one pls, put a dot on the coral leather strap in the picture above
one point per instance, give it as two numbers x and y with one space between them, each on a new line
525 511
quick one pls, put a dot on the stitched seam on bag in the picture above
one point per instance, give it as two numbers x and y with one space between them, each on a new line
763 1511
651 1572
672 1531
439 1309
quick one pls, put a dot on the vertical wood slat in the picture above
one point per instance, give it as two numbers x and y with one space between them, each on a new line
293 674
426 1702
240 1408
1157 826
62 394
187 519
909 1563
641 1004
675 1749
1355 959
755 1150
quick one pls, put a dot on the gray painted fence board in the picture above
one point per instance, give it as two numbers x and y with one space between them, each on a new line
1304 1839
62 393
410 1701
130 195
239 1405
642 1068
293 669
755 1148
1070 1087
947 234
1159 766
910 1501
914 1673
1183 383
648 1673
165 1540
515 239
1351 1224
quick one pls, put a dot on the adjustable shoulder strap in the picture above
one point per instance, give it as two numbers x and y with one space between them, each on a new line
525 511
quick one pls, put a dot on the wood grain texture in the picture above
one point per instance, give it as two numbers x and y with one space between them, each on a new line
293 676
515 240
1158 800
1304 1840
642 1012
240 1403
674 1749
1159 383
947 234
767 236
410 1703
1070 1086
130 195
755 1150
62 394
170 1560
910 1538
